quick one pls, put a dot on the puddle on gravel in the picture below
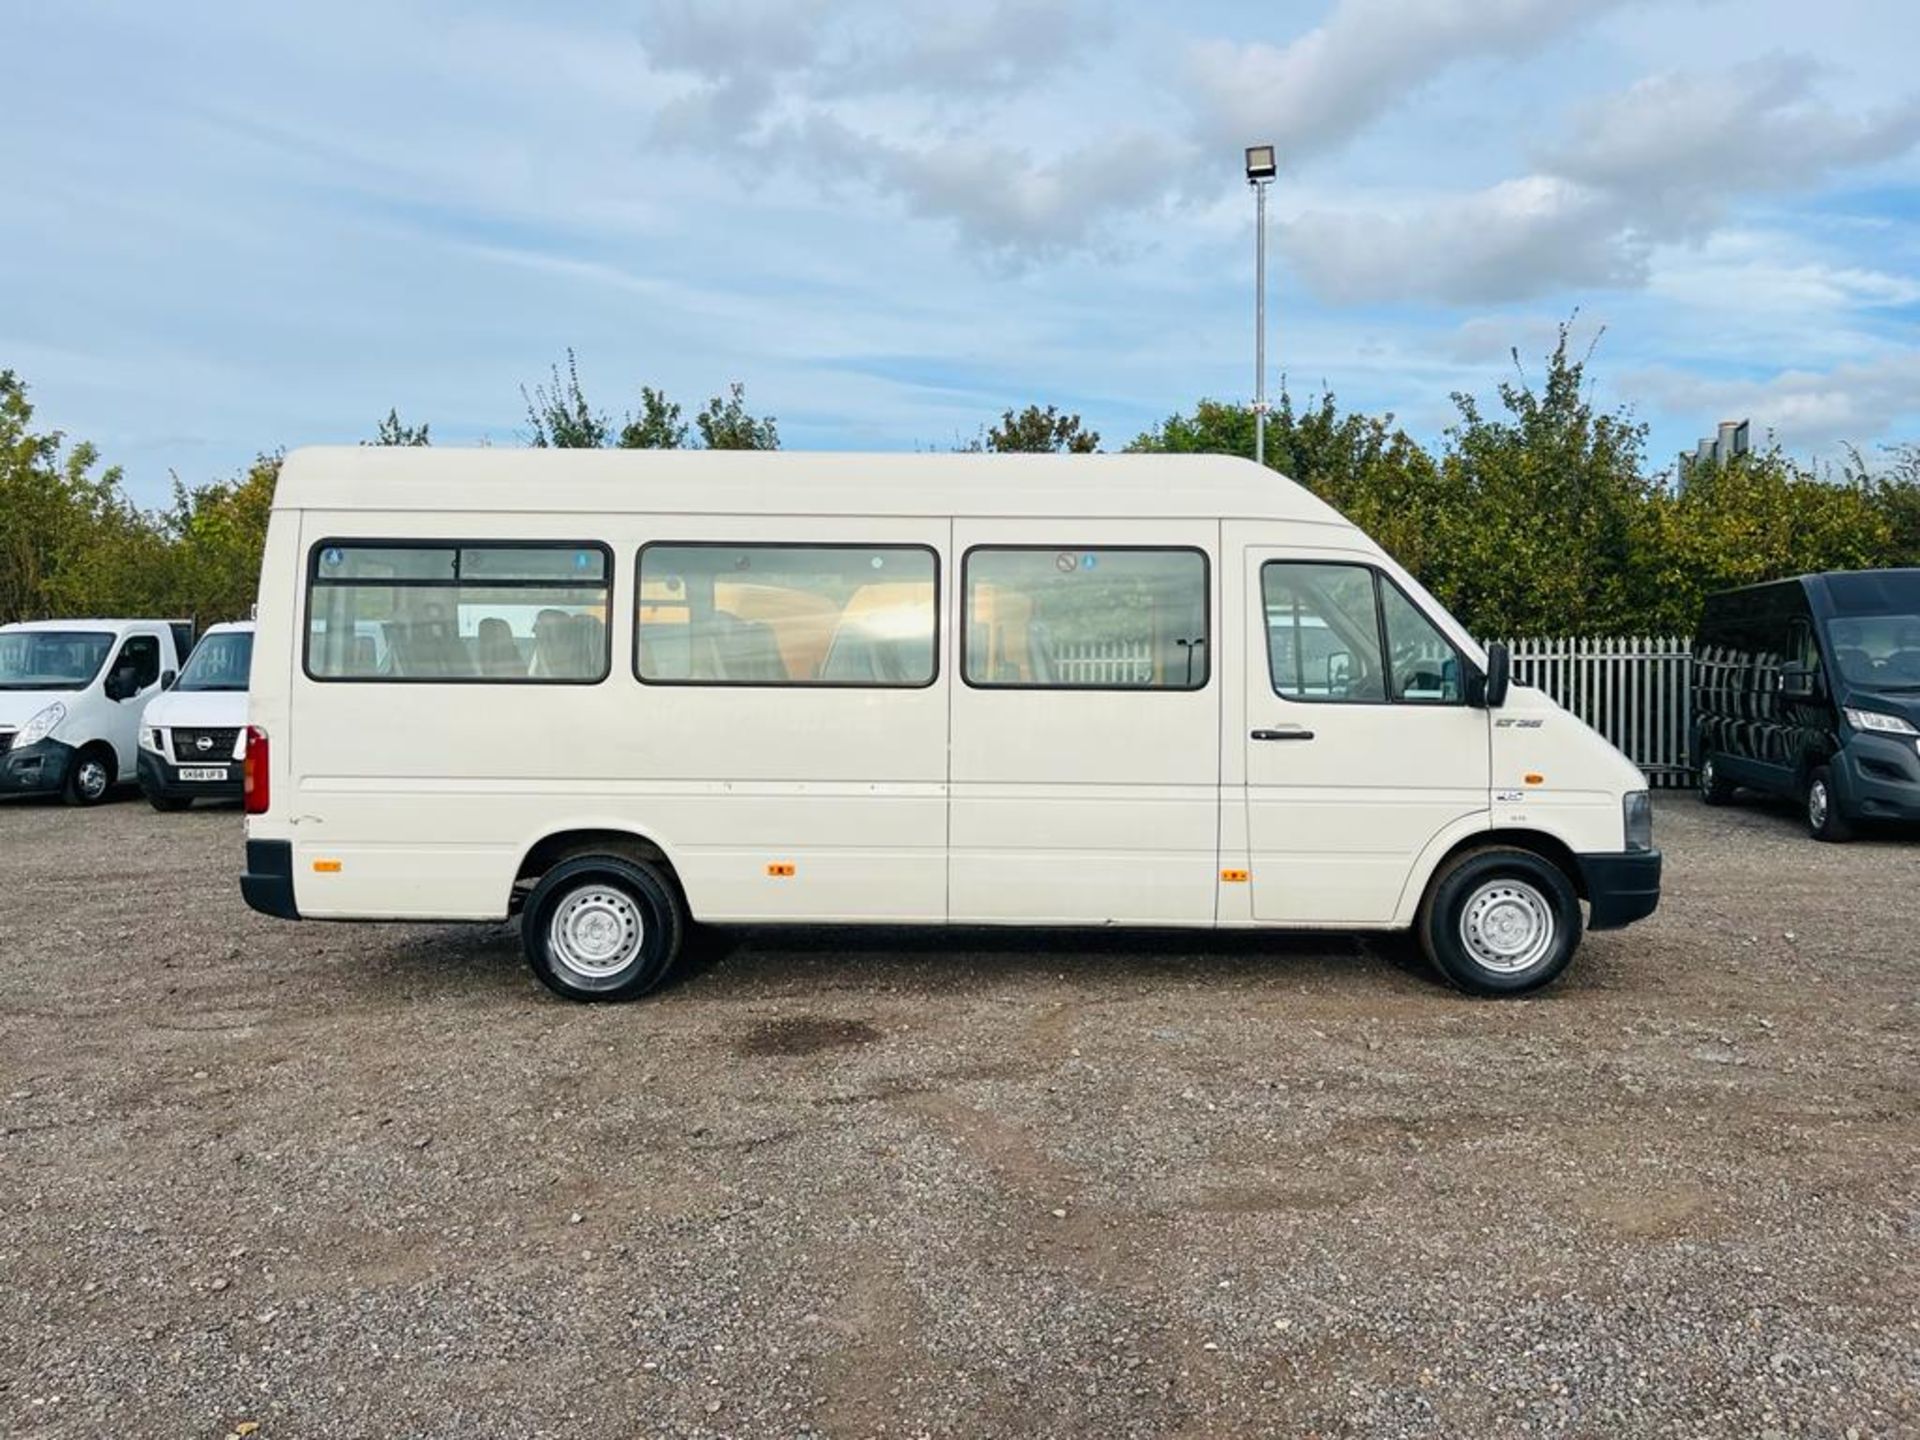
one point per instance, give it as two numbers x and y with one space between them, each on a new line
805 1035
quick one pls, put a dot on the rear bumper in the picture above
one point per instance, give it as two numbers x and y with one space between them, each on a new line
1620 888
267 885
159 777
35 769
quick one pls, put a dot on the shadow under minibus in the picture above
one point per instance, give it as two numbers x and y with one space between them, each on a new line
763 959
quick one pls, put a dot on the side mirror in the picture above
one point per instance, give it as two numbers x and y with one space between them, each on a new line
167 677
1799 682
1493 689
119 684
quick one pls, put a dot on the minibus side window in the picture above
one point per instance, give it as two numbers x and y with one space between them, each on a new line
1328 627
853 616
1086 618
459 611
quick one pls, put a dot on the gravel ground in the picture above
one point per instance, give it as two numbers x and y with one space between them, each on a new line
317 1180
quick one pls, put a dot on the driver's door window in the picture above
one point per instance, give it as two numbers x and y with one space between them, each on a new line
139 660
1323 632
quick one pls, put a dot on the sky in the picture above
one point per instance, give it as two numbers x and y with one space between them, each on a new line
230 228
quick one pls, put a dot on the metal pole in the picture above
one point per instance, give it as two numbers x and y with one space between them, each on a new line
1260 324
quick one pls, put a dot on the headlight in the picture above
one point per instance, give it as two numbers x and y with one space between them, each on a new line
41 725
1879 722
1638 808
150 739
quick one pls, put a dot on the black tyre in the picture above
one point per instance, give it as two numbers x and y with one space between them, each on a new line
598 927
1824 820
1500 921
1714 790
168 804
90 778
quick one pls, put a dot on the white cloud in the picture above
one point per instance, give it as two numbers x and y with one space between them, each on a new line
1807 409
1515 240
1677 146
1664 160
1368 57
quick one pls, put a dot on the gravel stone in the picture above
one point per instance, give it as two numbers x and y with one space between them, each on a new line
374 1180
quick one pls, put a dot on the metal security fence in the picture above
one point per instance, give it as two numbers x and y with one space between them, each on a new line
1104 662
1635 690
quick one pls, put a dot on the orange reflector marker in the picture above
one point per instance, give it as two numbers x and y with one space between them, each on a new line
1236 877
781 869
326 867
1535 779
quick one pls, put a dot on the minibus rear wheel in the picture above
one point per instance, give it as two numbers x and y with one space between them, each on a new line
1500 921
599 927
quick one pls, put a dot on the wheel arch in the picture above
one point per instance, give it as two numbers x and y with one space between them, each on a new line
1455 842
558 845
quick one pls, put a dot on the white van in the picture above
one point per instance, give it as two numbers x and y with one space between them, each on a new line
613 692
191 735
71 693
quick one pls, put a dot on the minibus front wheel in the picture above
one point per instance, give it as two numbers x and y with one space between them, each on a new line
1500 921
600 927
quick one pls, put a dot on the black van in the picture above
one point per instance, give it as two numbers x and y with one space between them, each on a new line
1810 688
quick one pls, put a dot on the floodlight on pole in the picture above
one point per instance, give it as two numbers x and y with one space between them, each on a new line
1261 168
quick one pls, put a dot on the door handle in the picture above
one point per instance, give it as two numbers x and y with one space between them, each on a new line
1292 734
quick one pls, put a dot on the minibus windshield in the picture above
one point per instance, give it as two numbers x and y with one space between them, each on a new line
52 659
219 662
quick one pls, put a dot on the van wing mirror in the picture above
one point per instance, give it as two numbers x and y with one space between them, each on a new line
117 684
167 677
1799 682
1493 685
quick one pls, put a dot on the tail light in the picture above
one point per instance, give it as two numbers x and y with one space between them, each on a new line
253 771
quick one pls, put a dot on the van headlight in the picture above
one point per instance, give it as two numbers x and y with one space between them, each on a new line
40 726
1879 722
1638 809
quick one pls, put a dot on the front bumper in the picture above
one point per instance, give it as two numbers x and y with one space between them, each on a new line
1879 778
267 885
158 776
1620 888
36 769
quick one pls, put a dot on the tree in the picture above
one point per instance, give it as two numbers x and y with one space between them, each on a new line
72 542
558 415
658 426
1047 431
217 533
725 423
393 432
1214 428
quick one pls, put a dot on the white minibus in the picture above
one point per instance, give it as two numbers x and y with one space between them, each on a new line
618 692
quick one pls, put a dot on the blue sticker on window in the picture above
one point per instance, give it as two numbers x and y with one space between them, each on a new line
1086 562
331 558
583 559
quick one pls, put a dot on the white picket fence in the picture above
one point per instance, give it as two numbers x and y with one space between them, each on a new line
1635 690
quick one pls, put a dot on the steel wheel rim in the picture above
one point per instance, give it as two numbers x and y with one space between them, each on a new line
1817 803
92 779
596 933
1706 775
1508 926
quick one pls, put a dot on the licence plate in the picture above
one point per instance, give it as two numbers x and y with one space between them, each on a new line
203 772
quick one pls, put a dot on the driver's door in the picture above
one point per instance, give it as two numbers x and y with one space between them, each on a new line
1360 746
139 662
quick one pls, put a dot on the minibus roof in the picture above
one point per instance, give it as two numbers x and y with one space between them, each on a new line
757 482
